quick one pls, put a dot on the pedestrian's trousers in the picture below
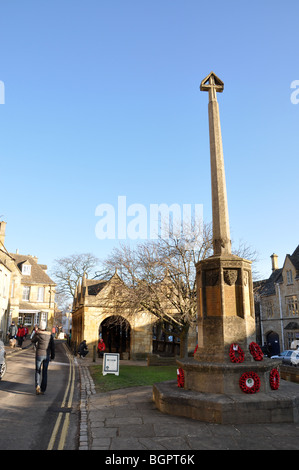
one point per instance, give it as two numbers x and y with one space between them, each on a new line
41 372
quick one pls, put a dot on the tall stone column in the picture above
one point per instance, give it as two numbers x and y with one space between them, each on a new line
221 231
224 281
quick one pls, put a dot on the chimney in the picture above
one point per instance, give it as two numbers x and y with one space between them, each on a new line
274 258
2 232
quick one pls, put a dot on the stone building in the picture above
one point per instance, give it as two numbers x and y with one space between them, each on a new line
8 273
5 274
27 293
32 296
95 313
277 304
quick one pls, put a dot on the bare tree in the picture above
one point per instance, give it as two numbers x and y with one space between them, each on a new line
159 276
248 252
69 270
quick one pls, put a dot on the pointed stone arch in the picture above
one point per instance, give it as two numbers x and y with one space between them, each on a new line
273 342
116 333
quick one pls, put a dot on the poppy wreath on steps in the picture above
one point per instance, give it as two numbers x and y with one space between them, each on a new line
274 379
180 376
250 382
256 351
233 351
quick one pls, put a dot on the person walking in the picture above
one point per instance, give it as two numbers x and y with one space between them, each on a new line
21 335
12 331
45 349
26 332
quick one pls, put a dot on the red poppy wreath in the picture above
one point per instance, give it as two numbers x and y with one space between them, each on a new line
236 353
256 351
274 379
250 382
180 376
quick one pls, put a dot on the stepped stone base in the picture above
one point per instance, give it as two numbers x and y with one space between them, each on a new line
211 377
277 406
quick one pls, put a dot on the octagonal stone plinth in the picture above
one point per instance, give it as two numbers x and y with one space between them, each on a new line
277 406
210 377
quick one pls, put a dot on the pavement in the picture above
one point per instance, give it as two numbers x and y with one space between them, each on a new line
127 420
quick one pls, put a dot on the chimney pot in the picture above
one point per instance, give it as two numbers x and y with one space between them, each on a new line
274 259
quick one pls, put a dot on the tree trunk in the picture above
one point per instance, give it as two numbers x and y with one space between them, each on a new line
184 341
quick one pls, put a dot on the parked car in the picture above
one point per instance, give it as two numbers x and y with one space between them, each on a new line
281 355
2 360
290 357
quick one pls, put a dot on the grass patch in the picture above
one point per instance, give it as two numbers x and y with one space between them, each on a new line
131 376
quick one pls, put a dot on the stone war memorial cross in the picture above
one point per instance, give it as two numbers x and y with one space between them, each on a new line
221 231
229 380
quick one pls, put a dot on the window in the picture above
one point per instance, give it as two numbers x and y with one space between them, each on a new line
289 277
26 269
291 336
292 306
26 293
41 294
37 318
27 319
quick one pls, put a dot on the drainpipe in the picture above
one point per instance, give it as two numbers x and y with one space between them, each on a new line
262 323
280 314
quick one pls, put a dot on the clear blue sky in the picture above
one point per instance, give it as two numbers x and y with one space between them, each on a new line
102 100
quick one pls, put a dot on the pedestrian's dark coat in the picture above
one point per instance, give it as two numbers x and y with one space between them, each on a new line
44 344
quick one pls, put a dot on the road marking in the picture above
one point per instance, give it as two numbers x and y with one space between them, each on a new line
69 392
54 433
64 431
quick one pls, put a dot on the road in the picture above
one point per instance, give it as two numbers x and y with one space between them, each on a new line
39 422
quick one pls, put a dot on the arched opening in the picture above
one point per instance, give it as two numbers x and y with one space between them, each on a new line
273 343
165 341
116 332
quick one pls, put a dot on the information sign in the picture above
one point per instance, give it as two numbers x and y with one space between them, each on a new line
111 363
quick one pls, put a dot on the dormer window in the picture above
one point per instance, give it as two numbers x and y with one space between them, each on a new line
26 269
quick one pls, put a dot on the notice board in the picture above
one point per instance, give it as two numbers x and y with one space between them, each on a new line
111 363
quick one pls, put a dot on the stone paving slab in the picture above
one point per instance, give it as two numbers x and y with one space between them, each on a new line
128 420
149 429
